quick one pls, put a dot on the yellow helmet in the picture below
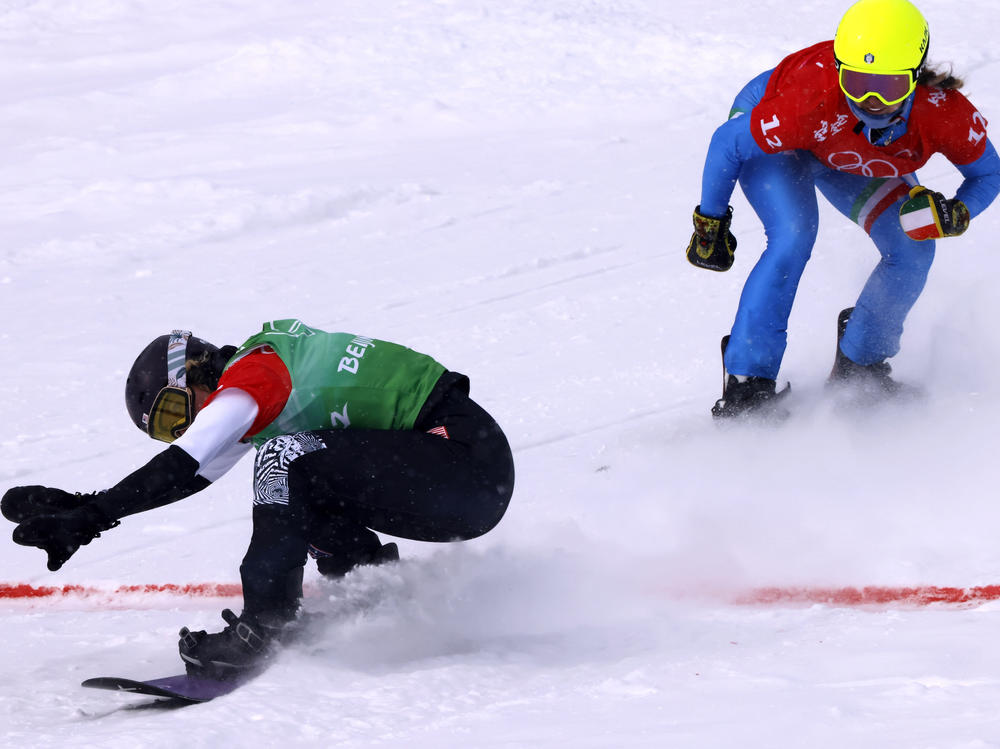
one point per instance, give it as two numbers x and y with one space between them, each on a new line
882 36
879 48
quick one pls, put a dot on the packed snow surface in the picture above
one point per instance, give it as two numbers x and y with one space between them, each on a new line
506 185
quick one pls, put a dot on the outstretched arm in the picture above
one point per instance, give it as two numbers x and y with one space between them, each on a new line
166 478
171 475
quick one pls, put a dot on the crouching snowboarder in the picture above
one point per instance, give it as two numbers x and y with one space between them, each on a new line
353 435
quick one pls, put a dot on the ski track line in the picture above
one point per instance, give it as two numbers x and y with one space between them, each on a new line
507 296
637 416
529 269
17 474
524 270
848 596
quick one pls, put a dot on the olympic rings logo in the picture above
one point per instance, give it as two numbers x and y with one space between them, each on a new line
851 161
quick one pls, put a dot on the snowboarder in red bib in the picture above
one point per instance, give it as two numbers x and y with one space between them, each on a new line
353 435
854 117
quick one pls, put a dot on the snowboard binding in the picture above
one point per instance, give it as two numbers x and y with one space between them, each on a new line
749 398
240 648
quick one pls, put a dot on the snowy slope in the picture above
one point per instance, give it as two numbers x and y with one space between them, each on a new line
507 186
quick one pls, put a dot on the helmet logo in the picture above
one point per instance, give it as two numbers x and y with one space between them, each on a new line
869 58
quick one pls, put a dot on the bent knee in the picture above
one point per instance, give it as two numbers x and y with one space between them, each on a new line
910 253
787 256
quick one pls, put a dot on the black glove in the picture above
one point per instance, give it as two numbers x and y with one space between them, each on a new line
930 215
23 502
61 535
712 245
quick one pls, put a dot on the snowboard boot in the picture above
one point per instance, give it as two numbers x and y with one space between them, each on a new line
335 566
868 379
238 650
746 397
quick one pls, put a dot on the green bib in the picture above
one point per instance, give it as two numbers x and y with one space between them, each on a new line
342 380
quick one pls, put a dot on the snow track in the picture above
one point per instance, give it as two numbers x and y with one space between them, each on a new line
507 186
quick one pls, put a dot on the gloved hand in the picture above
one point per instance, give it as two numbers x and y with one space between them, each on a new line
712 245
62 534
20 503
930 215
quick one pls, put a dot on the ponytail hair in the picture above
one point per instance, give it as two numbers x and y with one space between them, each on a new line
206 368
934 78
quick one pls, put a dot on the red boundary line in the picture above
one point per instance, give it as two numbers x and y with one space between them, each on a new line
871 595
775 595
199 590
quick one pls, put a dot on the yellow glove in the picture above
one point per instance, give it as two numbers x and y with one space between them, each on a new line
712 245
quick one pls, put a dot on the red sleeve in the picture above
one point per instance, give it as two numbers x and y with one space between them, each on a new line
958 129
265 377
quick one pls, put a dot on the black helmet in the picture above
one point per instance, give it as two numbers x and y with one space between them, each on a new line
162 365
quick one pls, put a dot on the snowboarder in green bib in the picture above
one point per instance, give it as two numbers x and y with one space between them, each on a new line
353 435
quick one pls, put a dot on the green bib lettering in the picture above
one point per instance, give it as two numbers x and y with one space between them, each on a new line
343 381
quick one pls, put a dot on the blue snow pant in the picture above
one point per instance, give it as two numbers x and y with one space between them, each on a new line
782 190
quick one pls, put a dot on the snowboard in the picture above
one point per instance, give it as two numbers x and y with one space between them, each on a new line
182 687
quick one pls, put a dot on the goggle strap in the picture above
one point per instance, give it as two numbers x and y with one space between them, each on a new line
177 358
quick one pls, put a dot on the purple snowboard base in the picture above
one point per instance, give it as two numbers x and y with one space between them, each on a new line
181 687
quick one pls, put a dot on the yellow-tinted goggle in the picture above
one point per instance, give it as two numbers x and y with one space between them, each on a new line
170 414
888 88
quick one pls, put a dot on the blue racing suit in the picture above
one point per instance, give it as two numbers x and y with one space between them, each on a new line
781 189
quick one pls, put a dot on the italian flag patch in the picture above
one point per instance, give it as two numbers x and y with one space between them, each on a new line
919 218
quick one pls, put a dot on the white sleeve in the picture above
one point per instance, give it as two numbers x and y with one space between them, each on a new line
213 439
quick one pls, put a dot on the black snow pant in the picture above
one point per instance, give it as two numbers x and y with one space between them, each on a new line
326 492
